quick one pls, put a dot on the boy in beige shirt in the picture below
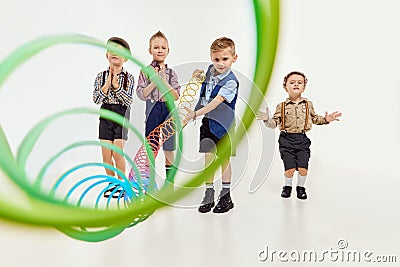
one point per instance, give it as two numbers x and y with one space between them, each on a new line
295 117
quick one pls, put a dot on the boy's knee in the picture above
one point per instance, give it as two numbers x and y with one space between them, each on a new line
303 171
117 156
289 173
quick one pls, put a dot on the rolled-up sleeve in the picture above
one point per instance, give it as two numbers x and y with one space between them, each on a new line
229 90
276 118
143 82
316 119
175 83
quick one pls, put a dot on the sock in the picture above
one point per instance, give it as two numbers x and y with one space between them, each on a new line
209 186
168 169
226 187
209 194
301 180
288 181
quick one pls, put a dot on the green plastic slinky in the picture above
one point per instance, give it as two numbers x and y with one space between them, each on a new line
95 224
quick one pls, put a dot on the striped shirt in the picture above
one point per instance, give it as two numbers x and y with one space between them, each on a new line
119 95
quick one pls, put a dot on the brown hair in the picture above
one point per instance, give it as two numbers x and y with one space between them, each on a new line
120 41
222 43
158 34
293 73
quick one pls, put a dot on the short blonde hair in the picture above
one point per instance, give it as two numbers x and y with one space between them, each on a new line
222 43
158 34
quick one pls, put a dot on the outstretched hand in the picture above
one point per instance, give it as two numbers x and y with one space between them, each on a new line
333 116
190 115
263 115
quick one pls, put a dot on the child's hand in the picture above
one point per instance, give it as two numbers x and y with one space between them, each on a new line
107 84
190 115
263 115
198 74
333 116
155 69
114 78
162 74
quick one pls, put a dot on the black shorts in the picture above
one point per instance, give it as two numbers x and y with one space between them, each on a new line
209 142
109 130
295 150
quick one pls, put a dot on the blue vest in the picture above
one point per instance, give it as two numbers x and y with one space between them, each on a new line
222 118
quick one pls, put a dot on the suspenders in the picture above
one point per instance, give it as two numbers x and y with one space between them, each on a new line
307 113
125 79
283 116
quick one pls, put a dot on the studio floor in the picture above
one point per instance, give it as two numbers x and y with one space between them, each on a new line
358 212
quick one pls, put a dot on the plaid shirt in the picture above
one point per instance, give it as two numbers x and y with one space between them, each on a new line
155 95
118 95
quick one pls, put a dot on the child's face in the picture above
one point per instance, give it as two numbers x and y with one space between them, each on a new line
114 59
223 59
295 85
159 49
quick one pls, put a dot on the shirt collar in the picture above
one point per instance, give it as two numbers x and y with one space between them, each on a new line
302 99
122 70
219 76
155 63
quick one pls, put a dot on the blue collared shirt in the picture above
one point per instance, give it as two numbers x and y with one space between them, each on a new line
228 91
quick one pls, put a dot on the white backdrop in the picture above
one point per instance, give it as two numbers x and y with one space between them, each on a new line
348 50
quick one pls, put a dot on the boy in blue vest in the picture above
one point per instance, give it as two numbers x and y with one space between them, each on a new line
217 102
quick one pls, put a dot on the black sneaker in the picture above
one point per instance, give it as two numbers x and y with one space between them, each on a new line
118 193
287 190
208 201
301 192
108 192
224 204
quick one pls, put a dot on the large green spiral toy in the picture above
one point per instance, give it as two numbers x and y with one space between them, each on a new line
93 223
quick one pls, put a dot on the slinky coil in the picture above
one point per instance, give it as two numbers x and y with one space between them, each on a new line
160 135
63 206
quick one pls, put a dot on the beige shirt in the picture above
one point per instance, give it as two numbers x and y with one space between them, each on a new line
295 117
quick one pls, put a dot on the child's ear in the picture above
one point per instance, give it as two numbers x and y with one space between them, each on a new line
106 55
235 58
149 51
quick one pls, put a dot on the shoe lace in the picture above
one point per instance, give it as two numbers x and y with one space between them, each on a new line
224 200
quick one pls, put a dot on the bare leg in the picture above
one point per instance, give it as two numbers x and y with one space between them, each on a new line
303 172
169 157
107 157
289 173
226 171
119 159
209 158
